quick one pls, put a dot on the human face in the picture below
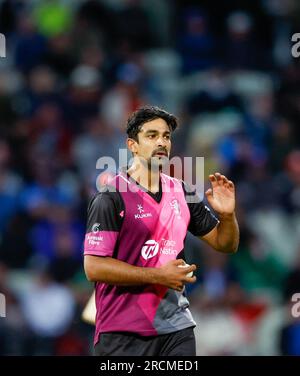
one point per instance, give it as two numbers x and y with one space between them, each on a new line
154 142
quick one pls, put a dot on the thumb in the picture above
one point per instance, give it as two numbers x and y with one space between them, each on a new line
209 193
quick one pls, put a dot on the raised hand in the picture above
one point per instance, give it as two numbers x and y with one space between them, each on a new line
221 196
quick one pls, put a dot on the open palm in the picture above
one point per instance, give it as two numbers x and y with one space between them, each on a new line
221 196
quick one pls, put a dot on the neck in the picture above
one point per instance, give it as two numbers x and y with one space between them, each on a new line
146 177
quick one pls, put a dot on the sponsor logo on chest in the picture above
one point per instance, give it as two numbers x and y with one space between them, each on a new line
141 213
151 248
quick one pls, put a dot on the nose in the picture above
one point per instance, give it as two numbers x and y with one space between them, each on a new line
161 141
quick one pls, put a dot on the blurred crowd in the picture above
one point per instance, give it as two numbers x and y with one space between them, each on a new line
73 72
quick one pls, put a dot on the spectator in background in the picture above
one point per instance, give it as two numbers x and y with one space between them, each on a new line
287 183
94 16
31 46
83 94
215 96
59 225
60 55
12 326
256 265
282 143
7 108
99 139
259 121
48 309
196 44
65 261
50 201
41 87
50 134
43 191
133 28
125 96
243 49
10 187
9 12
214 279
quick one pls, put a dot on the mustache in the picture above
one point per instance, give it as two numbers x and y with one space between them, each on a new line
160 151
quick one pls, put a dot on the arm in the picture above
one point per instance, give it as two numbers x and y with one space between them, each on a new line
115 272
225 236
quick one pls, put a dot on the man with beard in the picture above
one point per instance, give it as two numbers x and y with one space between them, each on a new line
134 246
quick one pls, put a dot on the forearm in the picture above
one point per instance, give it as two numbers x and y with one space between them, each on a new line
116 272
227 234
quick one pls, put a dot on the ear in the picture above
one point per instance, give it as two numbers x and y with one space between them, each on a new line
132 145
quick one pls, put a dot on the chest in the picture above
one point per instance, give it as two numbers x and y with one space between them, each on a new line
143 212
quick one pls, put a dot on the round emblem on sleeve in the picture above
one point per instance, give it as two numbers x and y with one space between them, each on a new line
96 227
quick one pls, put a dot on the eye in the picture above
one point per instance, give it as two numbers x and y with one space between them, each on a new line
151 136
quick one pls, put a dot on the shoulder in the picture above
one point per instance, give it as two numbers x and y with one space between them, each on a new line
107 197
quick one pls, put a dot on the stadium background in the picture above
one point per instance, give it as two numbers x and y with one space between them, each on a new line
74 71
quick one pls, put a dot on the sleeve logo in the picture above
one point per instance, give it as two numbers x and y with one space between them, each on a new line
96 227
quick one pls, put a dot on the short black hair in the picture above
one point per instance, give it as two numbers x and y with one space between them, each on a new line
144 115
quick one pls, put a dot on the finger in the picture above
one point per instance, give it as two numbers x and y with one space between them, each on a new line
179 262
231 185
209 192
190 268
186 269
213 180
224 179
191 279
218 178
